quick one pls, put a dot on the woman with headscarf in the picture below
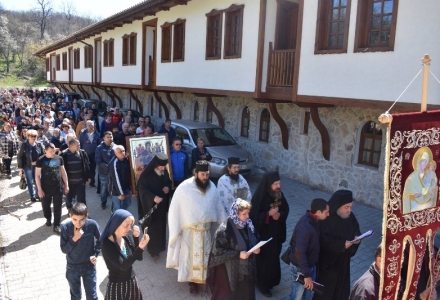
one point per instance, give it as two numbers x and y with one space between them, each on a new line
120 252
232 271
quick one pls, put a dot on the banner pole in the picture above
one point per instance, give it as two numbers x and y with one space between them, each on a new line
426 62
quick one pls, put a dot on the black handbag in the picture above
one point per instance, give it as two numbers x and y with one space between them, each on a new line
289 255
286 255
22 185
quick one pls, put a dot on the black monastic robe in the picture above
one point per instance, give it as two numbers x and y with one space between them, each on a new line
268 261
151 186
334 259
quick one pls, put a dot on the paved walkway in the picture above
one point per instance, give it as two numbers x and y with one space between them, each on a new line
34 266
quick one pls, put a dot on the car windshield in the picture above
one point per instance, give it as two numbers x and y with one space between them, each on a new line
213 136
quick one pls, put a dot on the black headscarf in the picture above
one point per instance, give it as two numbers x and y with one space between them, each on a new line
264 186
339 198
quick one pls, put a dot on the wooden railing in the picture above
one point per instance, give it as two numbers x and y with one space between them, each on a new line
280 67
151 69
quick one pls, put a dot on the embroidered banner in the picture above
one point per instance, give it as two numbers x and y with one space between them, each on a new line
411 205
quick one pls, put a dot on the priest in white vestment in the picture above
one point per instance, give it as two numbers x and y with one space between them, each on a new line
232 184
194 215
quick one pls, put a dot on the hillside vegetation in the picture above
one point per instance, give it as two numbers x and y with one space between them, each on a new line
24 32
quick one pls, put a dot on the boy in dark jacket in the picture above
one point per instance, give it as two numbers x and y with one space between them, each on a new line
103 155
305 245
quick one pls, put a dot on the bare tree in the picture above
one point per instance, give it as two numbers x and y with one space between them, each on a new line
42 13
69 13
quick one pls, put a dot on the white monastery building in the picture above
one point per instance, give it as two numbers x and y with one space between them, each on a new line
299 83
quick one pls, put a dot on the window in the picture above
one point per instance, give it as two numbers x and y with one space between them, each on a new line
88 54
245 118
166 42
179 40
208 114
376 25
58 62
108 53
76 58
64 60
370 144
214 34
132 58
264 126
125 46
196 111
233 31
332 28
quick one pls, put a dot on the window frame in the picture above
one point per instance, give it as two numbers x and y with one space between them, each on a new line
58 62
363 24
179 40
264 118
323 27
88 57
166 29
228 48
210 37
76 59
64 60
374 136
132 49
208 114
243 126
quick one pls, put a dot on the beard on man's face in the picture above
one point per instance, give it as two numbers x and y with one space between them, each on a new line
202 185
342 214
233 176
276 193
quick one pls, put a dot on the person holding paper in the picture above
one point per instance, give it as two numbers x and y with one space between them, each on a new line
305 244
231 273
269 213
337 233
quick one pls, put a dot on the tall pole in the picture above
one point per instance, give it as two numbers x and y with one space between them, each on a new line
426 61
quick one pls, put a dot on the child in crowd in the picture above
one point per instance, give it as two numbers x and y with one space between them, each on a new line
80 242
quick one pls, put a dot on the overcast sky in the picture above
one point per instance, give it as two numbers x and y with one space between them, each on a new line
98 8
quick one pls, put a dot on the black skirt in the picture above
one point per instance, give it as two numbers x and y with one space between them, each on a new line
126 290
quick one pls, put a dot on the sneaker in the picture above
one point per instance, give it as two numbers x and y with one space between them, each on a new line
9 176
38 199
57 229
103 207
33 199
48 223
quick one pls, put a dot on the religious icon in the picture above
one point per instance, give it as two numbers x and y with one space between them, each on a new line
142 150
421 190
276 203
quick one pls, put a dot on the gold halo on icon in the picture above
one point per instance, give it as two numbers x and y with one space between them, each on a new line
420 153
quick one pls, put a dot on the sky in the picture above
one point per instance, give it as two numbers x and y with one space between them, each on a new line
96 8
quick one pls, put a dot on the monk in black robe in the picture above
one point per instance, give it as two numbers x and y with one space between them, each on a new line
154 187
336 248
269 214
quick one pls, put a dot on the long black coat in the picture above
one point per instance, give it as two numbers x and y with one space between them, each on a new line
150 186
334 259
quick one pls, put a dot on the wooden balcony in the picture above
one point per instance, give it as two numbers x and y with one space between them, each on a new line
151 72
280 67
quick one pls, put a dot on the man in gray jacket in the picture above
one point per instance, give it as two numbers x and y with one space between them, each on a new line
103 155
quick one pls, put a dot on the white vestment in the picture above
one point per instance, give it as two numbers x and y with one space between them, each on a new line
227 187
193 218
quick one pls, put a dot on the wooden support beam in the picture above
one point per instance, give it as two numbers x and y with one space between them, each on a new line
325 138
72 88
97 94
64 88
214 109
165 108
136 99
174 105
284 130
117 97
110 94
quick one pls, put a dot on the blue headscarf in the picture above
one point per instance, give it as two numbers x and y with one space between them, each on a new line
233 215
114 222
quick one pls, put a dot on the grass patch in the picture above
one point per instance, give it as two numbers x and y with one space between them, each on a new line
12 80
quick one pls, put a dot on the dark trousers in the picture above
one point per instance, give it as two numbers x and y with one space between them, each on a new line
92 167
78 190
57 198
7 162
88 273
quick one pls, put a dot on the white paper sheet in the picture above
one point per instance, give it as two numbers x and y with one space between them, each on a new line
366 234
259 245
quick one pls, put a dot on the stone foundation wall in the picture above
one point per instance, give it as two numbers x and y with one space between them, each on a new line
303 161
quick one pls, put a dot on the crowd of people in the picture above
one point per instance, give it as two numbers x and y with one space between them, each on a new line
212 229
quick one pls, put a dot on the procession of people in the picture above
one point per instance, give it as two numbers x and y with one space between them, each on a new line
208 231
